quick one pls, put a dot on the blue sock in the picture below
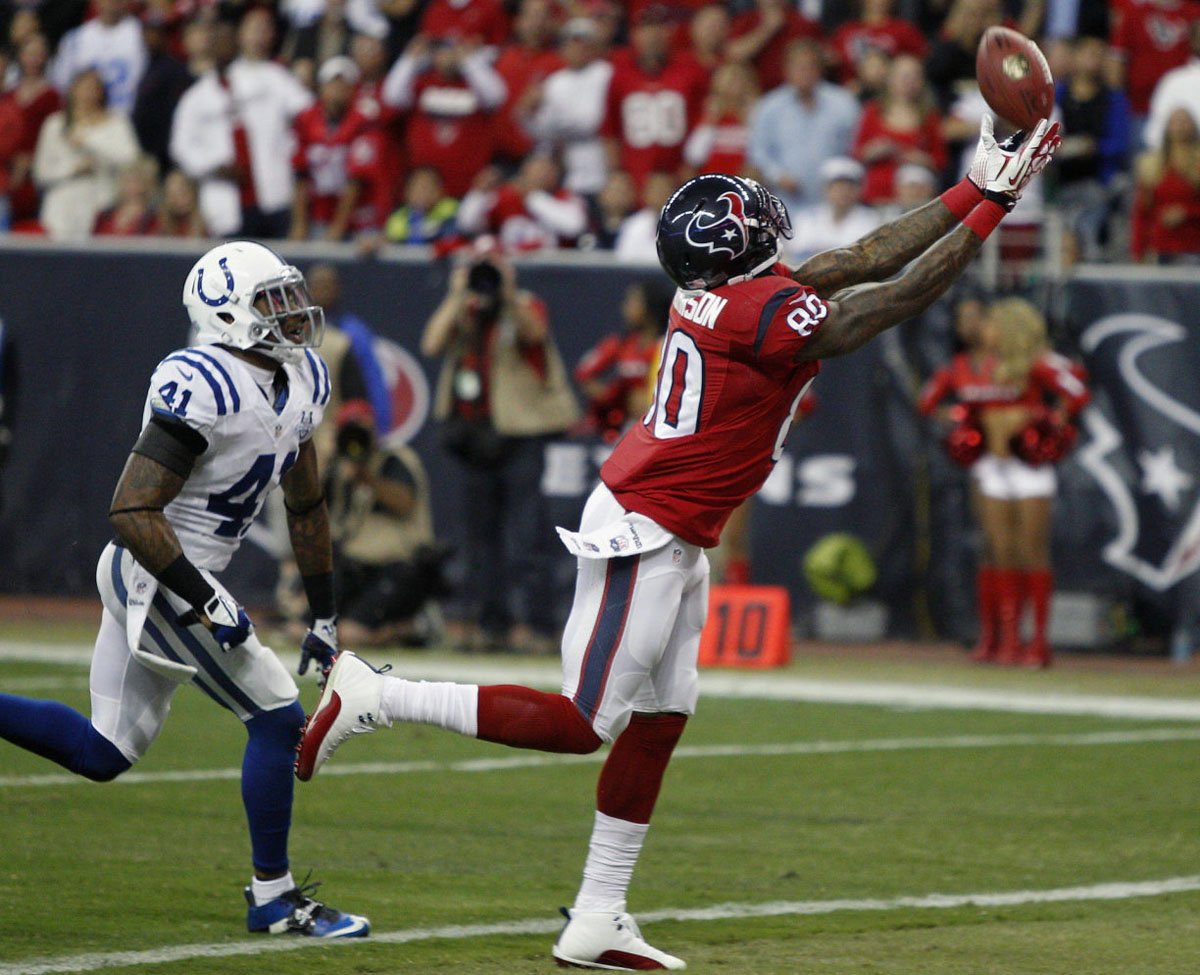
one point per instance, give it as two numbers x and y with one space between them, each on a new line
268 783
62 735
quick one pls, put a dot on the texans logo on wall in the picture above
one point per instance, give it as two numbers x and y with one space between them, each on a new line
408 389
1144 451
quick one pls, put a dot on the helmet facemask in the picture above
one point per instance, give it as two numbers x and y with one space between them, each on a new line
288 321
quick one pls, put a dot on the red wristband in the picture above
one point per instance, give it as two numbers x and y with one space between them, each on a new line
985 218
962 198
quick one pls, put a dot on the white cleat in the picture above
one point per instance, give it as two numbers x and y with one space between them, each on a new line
349 706
602 939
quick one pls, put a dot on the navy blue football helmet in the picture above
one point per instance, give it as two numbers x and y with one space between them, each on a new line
716 229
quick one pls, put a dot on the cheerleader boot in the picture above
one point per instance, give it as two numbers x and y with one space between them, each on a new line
985 607
1008 609
1039 583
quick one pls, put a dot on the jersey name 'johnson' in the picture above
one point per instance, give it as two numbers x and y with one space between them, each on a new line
728 386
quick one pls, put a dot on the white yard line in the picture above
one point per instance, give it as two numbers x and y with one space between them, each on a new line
537 760
747 684
98 961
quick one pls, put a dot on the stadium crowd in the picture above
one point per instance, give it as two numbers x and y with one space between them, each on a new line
565 123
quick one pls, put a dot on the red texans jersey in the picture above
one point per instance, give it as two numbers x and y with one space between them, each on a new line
320 155
729 384
651 113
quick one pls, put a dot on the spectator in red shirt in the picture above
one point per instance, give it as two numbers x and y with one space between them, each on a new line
900 127
614 373
530 211
474 21
654 98
1166 216
371 185
760 36
451 93
718 143
33 100
370 54
876 29
1151 37
527 60
133 214
324 132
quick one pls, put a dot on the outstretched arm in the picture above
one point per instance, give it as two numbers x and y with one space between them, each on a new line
881 253
858 314
887 249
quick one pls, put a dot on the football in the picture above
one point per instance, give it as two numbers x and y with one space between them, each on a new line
1014 77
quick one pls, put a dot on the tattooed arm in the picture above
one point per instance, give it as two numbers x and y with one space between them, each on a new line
307 515
136 514
858 314
879 254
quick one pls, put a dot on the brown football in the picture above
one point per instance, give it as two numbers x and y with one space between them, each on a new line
1014 77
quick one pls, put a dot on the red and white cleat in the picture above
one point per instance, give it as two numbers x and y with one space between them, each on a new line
602 939
349 706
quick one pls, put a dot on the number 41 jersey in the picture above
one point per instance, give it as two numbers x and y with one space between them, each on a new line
728 387
253 438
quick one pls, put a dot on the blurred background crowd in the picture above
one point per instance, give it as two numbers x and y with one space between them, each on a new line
566 123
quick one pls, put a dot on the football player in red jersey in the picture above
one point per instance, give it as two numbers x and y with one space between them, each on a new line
744 339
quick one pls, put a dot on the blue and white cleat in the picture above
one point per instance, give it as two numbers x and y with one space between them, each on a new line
294 912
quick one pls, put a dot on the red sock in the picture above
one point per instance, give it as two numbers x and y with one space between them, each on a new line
633 771
1039 584
525 718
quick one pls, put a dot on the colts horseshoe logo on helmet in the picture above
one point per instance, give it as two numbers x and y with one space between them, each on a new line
726 233
223 264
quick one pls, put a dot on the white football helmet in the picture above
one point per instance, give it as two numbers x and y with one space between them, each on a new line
222 295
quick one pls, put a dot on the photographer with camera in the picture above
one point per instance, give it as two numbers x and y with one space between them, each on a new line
386 560
503 391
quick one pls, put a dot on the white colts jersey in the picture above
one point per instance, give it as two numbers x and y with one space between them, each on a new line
252 442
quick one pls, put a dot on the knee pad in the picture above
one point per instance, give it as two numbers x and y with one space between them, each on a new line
279 727
98 758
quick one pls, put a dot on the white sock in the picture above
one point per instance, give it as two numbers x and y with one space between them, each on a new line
268 890
612 854
454 707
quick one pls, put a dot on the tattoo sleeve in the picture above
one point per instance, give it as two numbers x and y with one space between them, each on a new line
307 515
879 254
858 314
136 513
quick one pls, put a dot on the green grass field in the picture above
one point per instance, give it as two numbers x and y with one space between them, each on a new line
814 837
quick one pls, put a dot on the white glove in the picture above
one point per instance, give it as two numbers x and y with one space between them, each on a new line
1003 170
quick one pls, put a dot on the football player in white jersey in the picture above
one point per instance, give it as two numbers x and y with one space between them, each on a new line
224 422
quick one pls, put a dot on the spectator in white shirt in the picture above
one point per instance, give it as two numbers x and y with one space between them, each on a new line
232 132
637 239
111 42
80 152
1178 88
567 116
840 220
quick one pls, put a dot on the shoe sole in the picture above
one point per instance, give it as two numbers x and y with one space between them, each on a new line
621 962
315 729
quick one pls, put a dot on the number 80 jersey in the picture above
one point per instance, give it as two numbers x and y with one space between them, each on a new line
252 441
729 384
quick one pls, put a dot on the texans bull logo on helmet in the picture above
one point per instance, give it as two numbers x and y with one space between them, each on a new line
724 234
